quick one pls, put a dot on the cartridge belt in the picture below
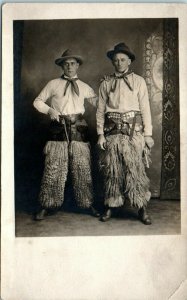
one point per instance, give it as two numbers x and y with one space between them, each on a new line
123 123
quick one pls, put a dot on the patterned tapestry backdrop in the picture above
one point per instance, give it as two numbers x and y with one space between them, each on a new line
161 75
170 176
153 74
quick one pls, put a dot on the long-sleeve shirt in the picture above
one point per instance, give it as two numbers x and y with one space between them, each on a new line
123 99
70 103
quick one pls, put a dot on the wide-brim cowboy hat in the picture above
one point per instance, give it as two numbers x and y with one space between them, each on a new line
68 54
121 48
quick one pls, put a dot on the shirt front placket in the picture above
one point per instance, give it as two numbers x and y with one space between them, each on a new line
120 91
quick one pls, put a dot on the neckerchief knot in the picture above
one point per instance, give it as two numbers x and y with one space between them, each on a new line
73 83
124 77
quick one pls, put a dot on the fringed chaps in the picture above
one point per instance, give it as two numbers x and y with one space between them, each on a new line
80 165
124 172
58 158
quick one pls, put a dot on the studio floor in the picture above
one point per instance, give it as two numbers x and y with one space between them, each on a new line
165 217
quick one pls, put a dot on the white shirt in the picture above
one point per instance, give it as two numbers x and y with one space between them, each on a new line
124 100
70 103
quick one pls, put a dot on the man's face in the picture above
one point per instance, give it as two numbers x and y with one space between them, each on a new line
121 62
70 67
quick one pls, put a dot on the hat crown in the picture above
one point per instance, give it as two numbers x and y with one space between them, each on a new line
121 46
67 52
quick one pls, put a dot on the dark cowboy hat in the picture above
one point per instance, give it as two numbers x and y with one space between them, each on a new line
68 54
121 48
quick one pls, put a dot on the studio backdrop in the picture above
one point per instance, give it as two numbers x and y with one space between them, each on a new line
36 46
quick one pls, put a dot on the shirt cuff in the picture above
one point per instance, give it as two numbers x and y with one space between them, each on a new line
148 131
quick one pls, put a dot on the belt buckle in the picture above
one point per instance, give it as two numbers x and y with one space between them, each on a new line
72 119
119 126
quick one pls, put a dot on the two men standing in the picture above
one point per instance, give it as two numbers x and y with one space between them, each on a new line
123 126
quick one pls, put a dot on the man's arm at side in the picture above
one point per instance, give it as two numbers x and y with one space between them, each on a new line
146 113
145 108
100 115
45 94
41 106
91 96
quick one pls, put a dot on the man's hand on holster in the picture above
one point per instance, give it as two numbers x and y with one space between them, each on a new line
101 142
54 115
149 141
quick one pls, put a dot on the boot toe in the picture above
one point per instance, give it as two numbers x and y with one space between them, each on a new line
147 221
41 215
144 217
94 212
106 216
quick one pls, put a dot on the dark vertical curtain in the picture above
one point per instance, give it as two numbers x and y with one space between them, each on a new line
170 173
18 27
17 52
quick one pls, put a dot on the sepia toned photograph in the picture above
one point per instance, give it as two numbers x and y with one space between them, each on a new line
93 151
96 127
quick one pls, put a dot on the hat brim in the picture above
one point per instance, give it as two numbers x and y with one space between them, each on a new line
59 61
110 54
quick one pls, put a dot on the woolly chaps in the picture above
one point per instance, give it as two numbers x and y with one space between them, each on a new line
59 159
123 169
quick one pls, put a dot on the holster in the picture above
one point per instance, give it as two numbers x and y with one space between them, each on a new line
69 128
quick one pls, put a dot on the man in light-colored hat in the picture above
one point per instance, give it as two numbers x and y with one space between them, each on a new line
124 130
68 147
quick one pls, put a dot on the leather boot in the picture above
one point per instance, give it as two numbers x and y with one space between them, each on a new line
94 212
107 215
144 217
41 214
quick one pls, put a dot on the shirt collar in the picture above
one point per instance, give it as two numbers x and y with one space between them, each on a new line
127 72
64 76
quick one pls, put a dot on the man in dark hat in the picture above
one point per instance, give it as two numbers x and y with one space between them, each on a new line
68 147
124 130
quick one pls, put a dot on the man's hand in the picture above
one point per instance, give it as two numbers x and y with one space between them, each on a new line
149 141
54 115
101 142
